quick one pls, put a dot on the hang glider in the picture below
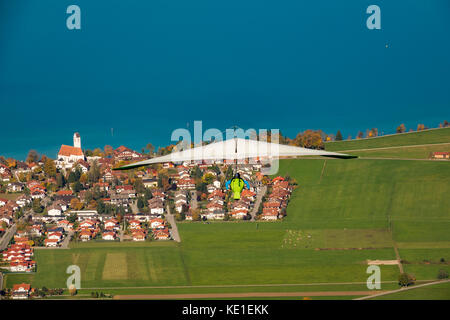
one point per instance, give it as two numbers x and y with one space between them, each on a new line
235 149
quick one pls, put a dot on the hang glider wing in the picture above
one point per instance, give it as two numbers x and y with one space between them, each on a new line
234 149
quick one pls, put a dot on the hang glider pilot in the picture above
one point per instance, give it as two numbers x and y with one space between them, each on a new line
237 184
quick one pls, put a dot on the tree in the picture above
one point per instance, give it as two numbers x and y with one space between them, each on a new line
180 216
442 274
32 156
310 139
139 185
77 186
208 178
421 127
97 152
74 175
60 180
92 205
76 204
401 128
405 280
101 208
197 174
140 203
150 148
94 172
109 151
196 215
338 136
229 173
374 132
37 207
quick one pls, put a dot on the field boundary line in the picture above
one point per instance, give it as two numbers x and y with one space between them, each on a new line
402 289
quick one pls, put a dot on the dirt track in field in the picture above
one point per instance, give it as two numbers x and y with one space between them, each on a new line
246 295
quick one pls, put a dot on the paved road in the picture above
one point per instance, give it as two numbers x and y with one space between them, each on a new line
258 200
193 201
65 243
173 224
7 237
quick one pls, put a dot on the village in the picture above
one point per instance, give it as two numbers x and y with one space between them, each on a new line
78 197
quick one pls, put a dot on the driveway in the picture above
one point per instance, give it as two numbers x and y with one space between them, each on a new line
258 200
173 224
7 237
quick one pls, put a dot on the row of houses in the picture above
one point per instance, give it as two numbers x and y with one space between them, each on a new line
156 226
19 256
276 201
241 208
215 209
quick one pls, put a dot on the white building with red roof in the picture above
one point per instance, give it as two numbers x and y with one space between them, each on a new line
69 155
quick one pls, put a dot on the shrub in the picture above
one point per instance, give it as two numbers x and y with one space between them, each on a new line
406 279
442 274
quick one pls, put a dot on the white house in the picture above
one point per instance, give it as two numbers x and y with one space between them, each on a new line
108 236
54 211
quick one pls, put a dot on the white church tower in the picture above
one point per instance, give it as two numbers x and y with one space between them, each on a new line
76 140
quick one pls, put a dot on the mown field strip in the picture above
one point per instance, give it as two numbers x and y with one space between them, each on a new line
245 295
243 285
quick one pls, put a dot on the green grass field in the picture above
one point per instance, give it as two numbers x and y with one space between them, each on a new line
352 210
439 291
405 152
404 139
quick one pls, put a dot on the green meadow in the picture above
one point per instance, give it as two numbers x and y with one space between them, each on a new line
440 291
343 213
404 139
405 152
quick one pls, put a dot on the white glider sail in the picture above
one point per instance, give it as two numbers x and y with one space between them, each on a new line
235 149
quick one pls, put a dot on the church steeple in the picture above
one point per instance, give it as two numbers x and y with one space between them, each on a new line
76 140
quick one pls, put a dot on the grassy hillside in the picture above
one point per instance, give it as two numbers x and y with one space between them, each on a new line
405 139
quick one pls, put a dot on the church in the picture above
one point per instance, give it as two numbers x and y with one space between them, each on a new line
70 155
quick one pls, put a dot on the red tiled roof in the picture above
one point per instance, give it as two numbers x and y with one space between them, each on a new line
64 192
69 150
26 286
441 153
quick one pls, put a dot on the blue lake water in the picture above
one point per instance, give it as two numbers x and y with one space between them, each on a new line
145 68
